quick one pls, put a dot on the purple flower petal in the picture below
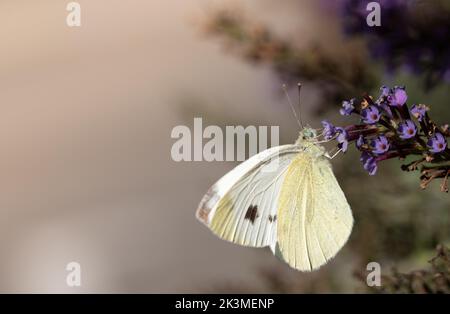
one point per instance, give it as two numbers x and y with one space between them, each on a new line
437 143
342 138
347 107
380 145
370 115
360 141
329 130
397 96
384 91
386 109
383 102
419 111
369 163
400 96
407 129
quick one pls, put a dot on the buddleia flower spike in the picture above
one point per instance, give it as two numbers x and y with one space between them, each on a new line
388 128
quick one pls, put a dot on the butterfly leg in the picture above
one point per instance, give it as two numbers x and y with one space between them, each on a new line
327 140
327 154
322 132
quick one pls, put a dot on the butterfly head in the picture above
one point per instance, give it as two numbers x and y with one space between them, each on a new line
307 134
307 140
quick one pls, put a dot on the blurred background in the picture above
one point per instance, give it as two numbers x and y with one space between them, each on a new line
87 112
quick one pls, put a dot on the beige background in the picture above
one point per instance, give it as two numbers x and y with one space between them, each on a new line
85 122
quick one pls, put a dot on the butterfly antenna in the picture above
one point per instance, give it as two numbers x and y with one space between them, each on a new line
292 106
299 88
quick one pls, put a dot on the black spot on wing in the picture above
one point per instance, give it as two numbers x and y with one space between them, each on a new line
272 218
252 213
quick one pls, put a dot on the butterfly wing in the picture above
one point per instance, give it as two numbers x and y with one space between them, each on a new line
242 206
314 218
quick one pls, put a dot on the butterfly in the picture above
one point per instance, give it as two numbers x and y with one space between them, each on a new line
285 197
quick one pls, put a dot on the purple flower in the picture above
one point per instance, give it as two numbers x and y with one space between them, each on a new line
342 138
384 91
380 145
383 105
407 129
329 130
369 163
360 141
398 96
418 111
371 115
389 129
382 100
437 143
347 107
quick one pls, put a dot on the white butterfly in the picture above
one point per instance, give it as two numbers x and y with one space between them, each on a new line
285 197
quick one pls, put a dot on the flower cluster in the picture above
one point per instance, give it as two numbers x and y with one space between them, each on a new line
389 128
